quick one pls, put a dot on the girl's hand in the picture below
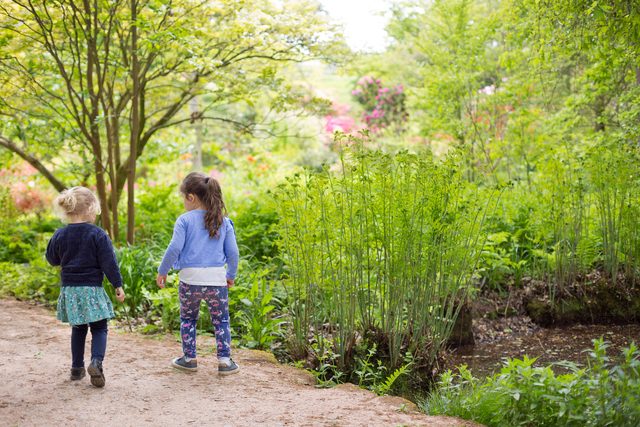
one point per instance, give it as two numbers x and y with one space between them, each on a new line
229 283
120 294
161 279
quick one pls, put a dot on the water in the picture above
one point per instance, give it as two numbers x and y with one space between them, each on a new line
548 345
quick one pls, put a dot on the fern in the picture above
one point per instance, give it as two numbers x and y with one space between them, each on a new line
384 388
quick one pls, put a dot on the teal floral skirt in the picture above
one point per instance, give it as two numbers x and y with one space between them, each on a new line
79 305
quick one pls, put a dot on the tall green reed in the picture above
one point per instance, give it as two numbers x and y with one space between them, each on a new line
564 214
615 174
382 248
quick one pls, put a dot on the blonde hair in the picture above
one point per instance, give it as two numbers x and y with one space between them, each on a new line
76 201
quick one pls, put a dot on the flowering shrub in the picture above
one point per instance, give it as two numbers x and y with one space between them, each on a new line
383 106
339 119
22 192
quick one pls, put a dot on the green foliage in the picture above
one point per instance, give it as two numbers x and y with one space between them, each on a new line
36 280
19 238
601 394
327 373
262 328
388 243
16 242
256 228
385 387
157 208
166 303
139 270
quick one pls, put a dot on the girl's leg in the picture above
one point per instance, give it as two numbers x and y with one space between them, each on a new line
78 338
217 298
99 332
190 297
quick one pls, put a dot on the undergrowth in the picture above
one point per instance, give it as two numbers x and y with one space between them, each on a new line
602 393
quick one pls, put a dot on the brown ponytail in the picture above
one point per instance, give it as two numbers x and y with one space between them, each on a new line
210 194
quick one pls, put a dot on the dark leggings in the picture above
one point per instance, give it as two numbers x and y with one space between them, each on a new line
99 331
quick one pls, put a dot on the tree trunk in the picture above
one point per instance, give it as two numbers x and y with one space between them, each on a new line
197 126
599 111
112 136
95 112
135 125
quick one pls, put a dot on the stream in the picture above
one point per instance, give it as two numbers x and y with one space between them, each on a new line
548 345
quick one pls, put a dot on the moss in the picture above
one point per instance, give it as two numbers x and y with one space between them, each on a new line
604 304
540 312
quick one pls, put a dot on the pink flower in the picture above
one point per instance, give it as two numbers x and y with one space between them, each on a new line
354 92
404 119
381 102
378 80
505 79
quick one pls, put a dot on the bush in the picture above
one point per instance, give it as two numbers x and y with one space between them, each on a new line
382 248
138 267
19 239
36 280
602 394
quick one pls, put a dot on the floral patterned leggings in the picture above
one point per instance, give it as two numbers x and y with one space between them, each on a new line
217 300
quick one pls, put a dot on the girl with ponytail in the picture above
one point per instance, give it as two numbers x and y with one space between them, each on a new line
203 242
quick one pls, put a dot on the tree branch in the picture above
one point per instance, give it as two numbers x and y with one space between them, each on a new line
11 146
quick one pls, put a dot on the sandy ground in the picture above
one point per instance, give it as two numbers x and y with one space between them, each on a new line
144 390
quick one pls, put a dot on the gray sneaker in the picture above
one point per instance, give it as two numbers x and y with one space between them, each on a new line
229 369
181 363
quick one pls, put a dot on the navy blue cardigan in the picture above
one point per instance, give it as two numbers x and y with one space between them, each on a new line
86 255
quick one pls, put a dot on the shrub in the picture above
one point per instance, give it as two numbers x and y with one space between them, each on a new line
382 248
601 394
36 280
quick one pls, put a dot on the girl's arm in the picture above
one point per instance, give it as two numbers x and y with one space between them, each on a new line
52 254
231 251
174 248
108 261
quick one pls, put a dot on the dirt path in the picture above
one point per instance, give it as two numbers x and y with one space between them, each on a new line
142 389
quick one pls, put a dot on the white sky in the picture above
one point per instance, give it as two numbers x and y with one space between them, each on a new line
364 27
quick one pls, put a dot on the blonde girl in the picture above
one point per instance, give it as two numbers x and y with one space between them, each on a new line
85 253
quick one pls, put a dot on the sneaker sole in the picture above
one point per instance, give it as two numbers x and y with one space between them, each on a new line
97 379
227 373
184 368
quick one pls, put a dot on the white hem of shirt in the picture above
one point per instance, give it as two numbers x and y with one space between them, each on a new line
204 276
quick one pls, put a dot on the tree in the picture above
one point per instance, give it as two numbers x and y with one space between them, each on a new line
68 71
451 42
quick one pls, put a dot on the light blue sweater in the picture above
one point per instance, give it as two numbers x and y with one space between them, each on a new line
191 245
